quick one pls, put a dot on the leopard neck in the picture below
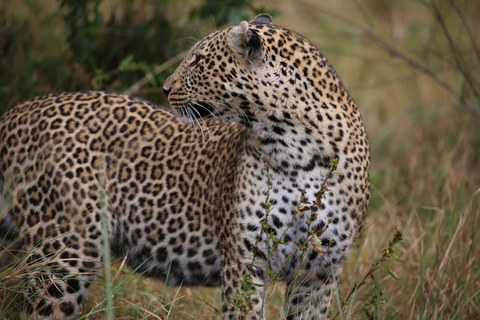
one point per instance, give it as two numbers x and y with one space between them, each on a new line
291 149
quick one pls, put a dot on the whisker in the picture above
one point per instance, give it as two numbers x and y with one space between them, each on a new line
235 109
193 120
186 116
208 131
199 125
209 111
212 105
242 113
192 114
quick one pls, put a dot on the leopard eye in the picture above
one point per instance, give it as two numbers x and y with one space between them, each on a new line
196 60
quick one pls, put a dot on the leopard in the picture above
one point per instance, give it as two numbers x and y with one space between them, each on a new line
67 157
190 195
299 121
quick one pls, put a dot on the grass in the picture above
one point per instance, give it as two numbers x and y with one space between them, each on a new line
425 176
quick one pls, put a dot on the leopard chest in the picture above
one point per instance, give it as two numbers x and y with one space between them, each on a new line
273 198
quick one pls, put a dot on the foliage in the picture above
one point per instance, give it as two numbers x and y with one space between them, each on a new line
97 45
230 12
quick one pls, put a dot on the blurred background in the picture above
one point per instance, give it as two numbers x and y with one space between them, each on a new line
412 66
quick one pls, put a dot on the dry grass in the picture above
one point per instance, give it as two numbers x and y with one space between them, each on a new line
425 159
425 176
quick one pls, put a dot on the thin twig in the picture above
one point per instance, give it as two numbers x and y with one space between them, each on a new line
167 64
454 50
424 68
461 15
364 13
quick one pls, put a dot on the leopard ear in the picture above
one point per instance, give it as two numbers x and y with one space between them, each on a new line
236 39
245 42
262 18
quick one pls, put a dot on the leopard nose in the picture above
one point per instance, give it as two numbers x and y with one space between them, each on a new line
167 85
167 91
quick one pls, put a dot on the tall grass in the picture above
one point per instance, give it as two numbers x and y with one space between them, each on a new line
425 157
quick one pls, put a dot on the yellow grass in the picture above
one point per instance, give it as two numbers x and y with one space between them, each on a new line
425 175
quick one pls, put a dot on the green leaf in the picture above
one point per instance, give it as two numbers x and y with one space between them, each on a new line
394 256
125 62
391 272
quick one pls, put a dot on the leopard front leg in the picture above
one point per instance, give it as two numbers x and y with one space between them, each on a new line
241 273
310 299
309 296
242 285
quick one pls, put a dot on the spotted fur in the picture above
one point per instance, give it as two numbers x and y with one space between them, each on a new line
189 196
160 183
281 88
